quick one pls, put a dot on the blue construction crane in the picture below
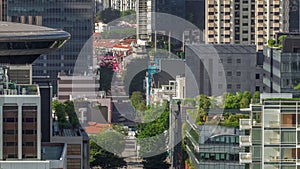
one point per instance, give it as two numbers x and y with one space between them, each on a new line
153 68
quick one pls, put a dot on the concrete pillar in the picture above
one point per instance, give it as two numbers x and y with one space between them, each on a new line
39 132
20 131
1 132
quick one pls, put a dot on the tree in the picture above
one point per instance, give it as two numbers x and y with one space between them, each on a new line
111 140
151 138
103 158
246 99
256 97
70 110
271 42
137 101
231 102
127 12
203 102
60 113
108 15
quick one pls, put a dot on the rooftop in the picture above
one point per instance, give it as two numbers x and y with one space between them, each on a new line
10 31
223 48
21 90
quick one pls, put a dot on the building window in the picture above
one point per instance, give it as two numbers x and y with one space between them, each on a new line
257 76
229 60
238 73
229 73
229 86
257 88
238 60
238 86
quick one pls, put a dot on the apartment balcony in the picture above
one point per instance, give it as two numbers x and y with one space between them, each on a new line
211 32
211 1
276 9
245 141
260 2
260 25
211 24
211 17
260 9
245 158
245 124
211 9
226 9
227 25
226 17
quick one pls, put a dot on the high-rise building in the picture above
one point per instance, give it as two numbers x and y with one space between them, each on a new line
20 100
281 66
123 5
246 22
3 10
76 17
143 14
273 133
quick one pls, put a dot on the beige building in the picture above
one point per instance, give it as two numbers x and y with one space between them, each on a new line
245 22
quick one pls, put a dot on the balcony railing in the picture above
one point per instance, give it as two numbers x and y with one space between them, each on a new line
245 158
245 124
245 141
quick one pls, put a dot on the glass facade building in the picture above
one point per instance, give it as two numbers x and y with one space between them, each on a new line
274 134
213 147
73 16
282 67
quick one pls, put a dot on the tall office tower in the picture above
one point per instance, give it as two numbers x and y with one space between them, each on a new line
3 10
274 133
76 17
246 22
123 5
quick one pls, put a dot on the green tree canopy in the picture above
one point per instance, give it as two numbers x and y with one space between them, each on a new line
104 159
137 101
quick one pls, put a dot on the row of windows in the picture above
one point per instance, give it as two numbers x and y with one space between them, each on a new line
12 132
229 60
219 157
27 144
224 139
10 119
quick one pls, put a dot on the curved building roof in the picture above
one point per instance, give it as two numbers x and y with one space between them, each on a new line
22 43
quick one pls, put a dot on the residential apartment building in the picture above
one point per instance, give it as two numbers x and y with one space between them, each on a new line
282 66
274 136
143 13
3 10
123 5
215 69
245 22
75 17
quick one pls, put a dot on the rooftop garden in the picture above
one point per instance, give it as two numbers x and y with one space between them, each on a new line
273 43
229 103
65 115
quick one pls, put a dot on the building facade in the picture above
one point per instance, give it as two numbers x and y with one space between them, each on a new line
3 10
245 22
123 5
273 140
281 67
215 69
75 17
20 100
213 147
